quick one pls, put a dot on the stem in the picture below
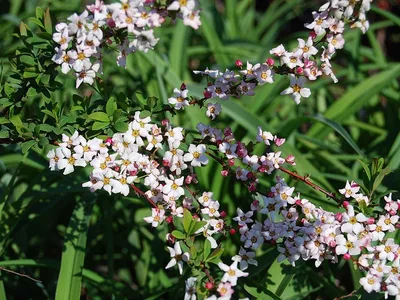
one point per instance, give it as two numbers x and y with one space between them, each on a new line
307 181
141 193
207 271
346 296
19 274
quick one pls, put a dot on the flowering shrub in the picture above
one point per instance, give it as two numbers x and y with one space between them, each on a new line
130 145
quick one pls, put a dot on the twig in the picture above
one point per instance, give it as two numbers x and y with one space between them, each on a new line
141 193
346 296
19 274
307 181
205 270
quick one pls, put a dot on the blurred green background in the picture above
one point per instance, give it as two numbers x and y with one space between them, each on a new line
125 258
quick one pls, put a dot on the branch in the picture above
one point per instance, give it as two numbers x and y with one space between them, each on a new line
307 181
19 274
346 296
141 193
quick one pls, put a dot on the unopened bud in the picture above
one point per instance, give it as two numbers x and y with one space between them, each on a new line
313 35
188 179
165 163
239 63
169 219
299 70
339 217
110 23
346 204
209 285
346 256
183 87
270 62
232 231
223 214
224 173
117 168
133 173
290 159
252 187
165 122
298 202
279 141
207 94
109 141
231 162
370 221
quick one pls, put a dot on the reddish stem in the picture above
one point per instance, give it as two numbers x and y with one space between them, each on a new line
141 193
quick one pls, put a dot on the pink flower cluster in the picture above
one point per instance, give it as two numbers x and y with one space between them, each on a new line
128 24
302 230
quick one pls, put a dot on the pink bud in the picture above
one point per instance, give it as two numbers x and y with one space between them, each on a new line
299 70
218 142
133 173
239 63
262 169
346 256
392 213
252 187
170 238
165 122
109 41
332 244
339 217
110 23
270 62
345 204
207 94
298 202
256 202
224 173
231 162
228 131
397 225
232 231
290 159
241 150
188 179
196 217
313 35
169 219
250 175
109 141
183 87
223 214
165 163
279 141
273 242
209 285
117 168
370 221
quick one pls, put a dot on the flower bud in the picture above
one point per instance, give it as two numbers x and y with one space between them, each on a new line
170 238
392 213
109 41
165 122
270 62
183 87
133 173
110 23
117 168
109 141
188 179
299 70
169 219
339 217
209 285
346 256
256 202
196 217
223 214
346 204
252 187
313 35
239 63
279 141
224 173
207 94
298 202
370 221
232 231
165 163
332 244
290 159
231 162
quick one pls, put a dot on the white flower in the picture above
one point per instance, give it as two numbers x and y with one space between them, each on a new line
174 187
211 210
180 99
72 160
87 75
351 245
371 283
264 136
232 273
157 217
57 161
190 288
196 155
296 89
177 257
206 199
307 48
350 190
213 110
243 218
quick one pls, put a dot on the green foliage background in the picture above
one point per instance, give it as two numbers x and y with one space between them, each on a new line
45 216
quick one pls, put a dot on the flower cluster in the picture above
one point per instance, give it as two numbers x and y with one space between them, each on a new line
128 24
302 230
308 61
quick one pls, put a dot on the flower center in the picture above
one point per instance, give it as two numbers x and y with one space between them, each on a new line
71 160
175 186
196 154
296 88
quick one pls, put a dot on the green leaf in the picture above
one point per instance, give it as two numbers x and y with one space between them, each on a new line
207 249
260 292
187 220
111 106
196 226
121 126
214 257
179 235
4 134
99 125
47 21
339 129
380 177
99 116
70 278
27 145
366 168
